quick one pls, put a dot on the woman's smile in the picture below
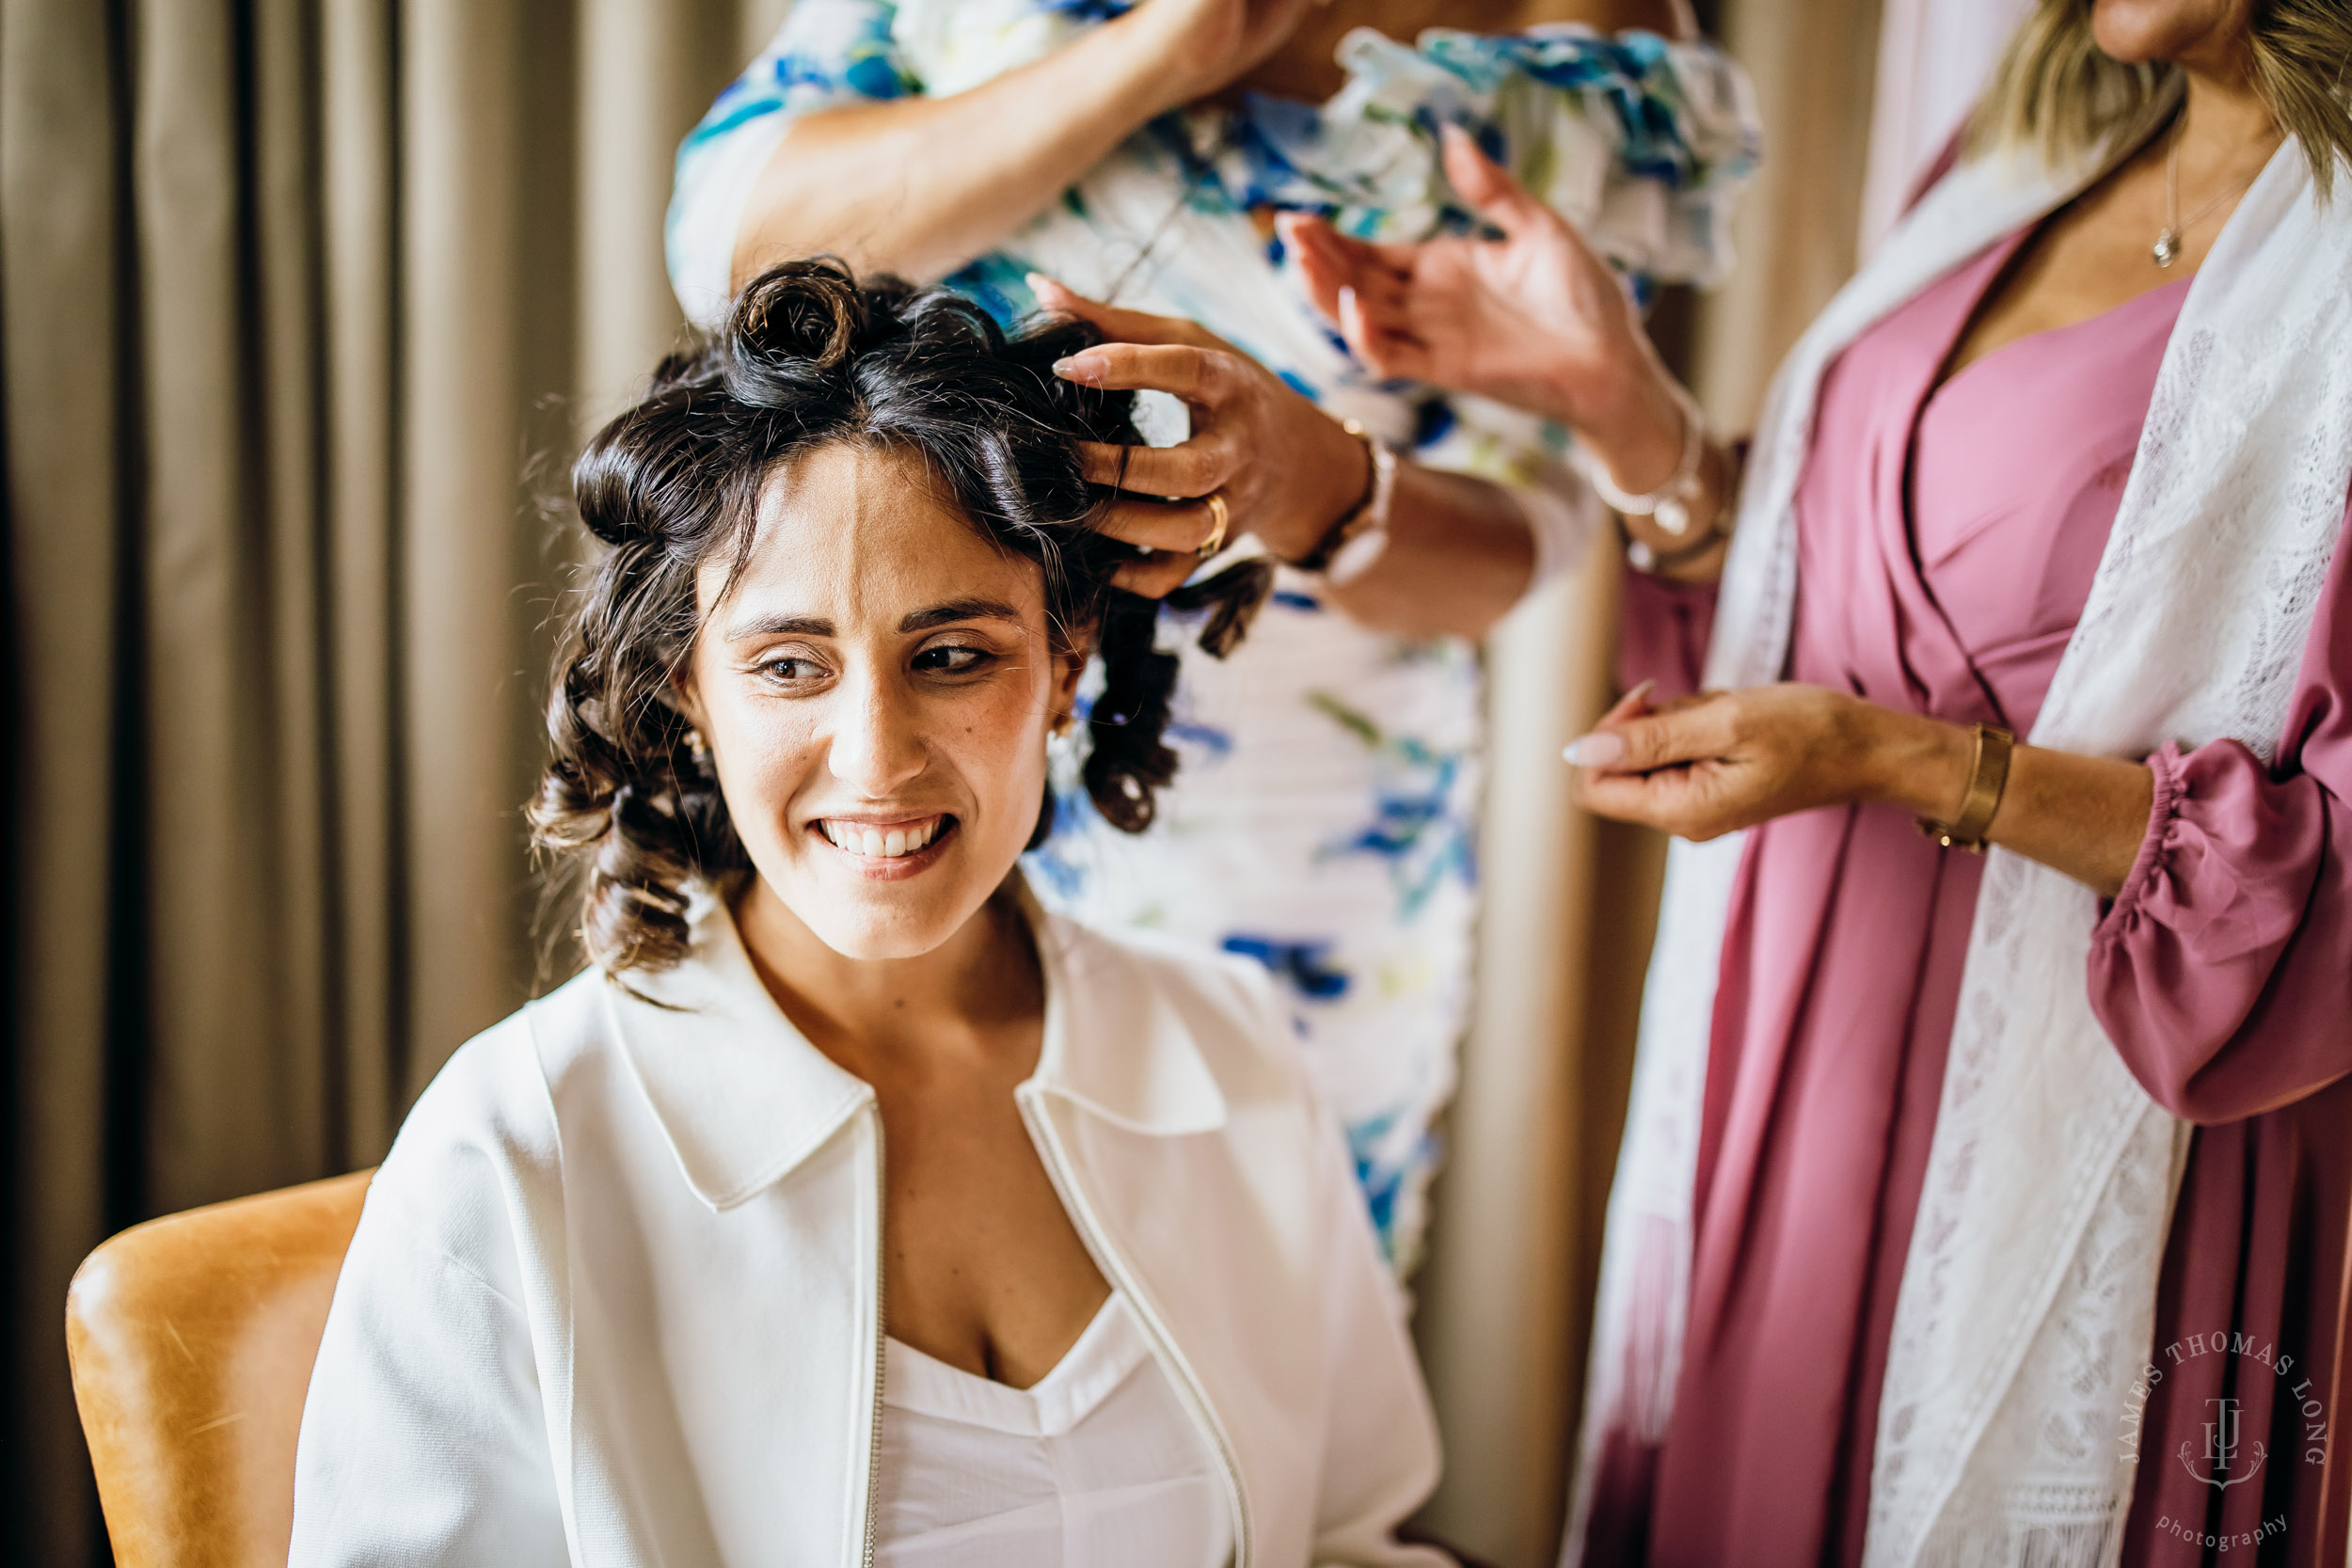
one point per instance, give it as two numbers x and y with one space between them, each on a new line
887 848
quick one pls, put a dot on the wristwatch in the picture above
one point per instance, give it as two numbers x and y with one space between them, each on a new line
1350 545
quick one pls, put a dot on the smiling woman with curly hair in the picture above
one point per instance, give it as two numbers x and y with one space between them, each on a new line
852 1208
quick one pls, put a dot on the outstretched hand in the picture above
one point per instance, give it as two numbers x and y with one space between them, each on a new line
1712 764
1284 469
1535 319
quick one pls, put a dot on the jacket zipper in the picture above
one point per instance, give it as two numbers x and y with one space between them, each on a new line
1164 1347
881 1327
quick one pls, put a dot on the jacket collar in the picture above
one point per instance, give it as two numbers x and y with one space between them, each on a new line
743 1098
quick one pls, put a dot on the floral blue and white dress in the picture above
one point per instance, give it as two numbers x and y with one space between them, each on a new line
1325 821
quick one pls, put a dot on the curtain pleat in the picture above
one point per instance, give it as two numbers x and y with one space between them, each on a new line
284 230
298 316
458 555
67 501
363 912
211 865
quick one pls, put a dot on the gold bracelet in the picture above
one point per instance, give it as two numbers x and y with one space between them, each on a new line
1988 775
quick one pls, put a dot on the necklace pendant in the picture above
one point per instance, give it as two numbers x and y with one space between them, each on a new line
2167 249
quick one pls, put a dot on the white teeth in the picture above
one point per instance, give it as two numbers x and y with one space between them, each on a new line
880 844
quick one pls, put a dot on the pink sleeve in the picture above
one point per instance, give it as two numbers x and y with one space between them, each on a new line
2223 970
1662 628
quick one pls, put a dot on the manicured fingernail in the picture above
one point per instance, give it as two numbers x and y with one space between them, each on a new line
1599 748
1641 693
1080 369
1039 282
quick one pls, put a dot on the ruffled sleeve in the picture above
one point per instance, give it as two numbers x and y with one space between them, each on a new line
2223 969
1643 143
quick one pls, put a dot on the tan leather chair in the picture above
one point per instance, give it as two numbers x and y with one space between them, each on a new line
192 1338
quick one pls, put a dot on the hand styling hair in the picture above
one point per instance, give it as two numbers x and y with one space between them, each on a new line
809 356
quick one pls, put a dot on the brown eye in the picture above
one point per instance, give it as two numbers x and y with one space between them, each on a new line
791 669
952 659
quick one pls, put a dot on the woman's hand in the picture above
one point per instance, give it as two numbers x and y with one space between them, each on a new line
1713 764
1725 760
1285 469
1535 319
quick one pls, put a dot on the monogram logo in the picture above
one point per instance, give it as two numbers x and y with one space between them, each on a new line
2218 1467
2287 1410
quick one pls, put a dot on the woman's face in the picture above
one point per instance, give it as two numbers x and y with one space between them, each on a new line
875 690
2204 34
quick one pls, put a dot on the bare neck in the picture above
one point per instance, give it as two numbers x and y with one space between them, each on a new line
979 983
2227 131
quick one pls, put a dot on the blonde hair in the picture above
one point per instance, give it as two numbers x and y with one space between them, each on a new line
2055 90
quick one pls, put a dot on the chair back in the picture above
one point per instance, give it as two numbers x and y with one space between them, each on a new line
192 1338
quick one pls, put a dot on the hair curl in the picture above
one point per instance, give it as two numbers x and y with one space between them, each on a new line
809 356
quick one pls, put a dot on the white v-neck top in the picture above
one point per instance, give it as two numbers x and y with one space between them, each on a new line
1096 1465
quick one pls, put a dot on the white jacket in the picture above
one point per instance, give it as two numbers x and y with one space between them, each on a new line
616 1296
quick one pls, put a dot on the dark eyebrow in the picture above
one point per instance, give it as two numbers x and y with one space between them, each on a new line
780 625
959 609
920 620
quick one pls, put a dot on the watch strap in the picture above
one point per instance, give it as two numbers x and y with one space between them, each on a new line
1351 545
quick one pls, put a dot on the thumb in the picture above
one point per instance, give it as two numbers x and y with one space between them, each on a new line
1324 266
1492 193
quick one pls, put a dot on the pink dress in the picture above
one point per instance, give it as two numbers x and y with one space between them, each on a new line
1948 537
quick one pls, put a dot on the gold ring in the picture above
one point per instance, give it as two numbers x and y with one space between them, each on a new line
1224 519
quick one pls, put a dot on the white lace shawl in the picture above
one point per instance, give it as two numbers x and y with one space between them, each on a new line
2027 1298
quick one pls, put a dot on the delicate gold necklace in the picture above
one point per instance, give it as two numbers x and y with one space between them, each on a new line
2167 249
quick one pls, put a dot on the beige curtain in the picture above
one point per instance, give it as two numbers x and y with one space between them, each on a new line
1570 903
293 296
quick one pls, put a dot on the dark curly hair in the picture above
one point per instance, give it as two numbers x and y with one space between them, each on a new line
808 357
